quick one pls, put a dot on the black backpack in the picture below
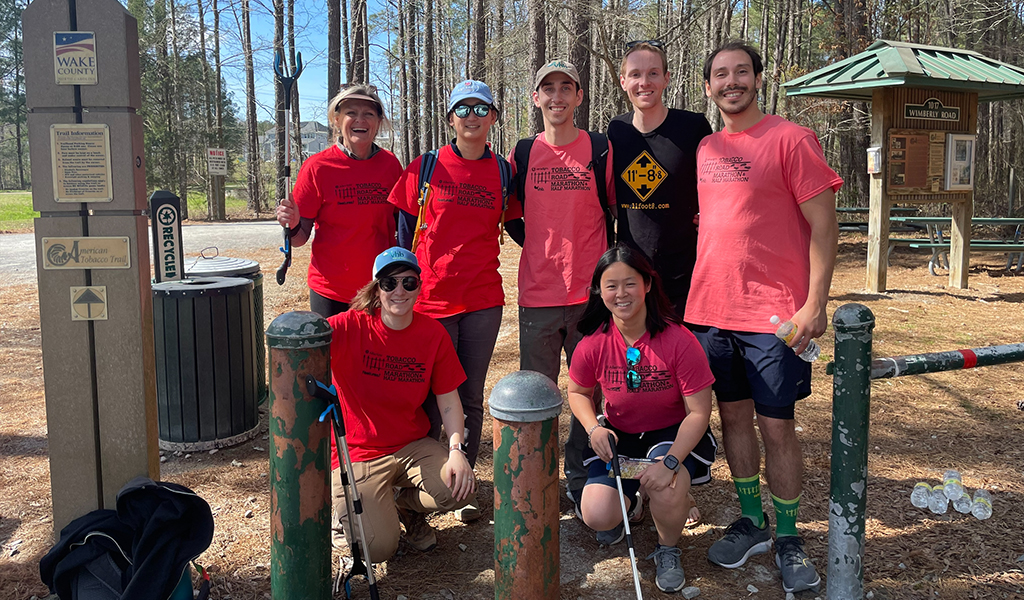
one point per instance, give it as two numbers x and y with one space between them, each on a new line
598 164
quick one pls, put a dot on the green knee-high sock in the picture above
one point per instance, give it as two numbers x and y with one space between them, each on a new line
749 491
785 515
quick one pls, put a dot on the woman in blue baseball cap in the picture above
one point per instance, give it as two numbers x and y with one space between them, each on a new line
385 359
457 196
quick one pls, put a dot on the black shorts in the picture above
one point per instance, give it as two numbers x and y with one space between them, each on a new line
652 444
758 366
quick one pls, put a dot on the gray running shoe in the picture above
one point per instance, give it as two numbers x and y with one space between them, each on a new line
798 573
418 533
670 576
611 536
742 540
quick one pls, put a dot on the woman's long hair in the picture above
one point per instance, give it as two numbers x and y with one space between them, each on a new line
367 299
660 313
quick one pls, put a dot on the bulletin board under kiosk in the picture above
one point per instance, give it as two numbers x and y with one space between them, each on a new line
928 162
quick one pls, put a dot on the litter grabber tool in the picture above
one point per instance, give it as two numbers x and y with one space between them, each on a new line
625 516
286 85
353 505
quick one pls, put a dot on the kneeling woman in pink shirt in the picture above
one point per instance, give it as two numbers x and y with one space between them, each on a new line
657 402
385 359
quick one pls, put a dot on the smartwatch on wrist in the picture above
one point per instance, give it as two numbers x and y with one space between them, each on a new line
459 446
671 462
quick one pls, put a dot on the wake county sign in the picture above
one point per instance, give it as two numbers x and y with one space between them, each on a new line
74 57
932 110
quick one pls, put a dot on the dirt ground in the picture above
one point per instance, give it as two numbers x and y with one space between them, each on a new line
920 426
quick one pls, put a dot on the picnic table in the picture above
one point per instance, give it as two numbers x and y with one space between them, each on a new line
862 226
938 242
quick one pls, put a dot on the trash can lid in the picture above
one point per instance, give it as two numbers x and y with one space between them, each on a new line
220 266
202 286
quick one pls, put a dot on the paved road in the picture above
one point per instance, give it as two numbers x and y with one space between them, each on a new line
18 250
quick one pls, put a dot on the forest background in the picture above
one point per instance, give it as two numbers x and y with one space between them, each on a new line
207 74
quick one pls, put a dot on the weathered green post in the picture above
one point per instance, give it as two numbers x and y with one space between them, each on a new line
525 406
300 461
851 394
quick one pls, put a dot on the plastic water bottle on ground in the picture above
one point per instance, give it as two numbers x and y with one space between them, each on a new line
963 504
919 497
787 331
982 505
952 485
938 503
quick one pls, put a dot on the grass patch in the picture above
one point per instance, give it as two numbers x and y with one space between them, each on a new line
234 206
16 212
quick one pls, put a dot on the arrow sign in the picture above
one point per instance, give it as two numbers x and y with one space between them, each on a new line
89 303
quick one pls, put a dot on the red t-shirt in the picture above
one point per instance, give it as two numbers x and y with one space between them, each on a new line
753 245
672 365
383 376
347 199
458 251
565 231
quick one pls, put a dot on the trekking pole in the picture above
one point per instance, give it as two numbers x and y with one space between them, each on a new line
353 505
286 83
625 515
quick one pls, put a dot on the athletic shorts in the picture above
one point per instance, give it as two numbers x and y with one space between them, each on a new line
757 366
652 444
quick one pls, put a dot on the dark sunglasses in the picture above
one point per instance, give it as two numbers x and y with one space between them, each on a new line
632 359
410 283
481 110
655 43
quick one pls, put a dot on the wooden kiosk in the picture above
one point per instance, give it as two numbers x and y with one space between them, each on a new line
924 122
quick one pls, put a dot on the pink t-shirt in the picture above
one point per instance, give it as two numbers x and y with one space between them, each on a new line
348 200
672 365
383 376
753 245
565 231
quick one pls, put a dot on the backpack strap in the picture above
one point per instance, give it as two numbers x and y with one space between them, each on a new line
505 173
521 156
599 166
428 162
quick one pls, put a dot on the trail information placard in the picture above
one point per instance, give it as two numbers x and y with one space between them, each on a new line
81 163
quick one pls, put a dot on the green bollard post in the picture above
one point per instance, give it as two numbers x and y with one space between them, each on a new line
851 395
525 406
300 461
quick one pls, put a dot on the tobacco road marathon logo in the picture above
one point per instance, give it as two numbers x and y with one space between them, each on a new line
167 215
644 175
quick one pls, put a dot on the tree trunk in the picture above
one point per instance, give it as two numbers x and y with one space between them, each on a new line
298 153
579 56
177 146
333 48
19 104
211 200
218 109
280 134
403 30
478 71
253 160
538 51
430 81
411 28
347 43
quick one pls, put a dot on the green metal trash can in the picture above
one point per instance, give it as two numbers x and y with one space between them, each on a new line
223 266
205 339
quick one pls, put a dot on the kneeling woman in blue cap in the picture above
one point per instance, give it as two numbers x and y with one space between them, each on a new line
385 359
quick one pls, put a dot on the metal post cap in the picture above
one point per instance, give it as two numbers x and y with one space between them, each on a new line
852 317
299 329
525 397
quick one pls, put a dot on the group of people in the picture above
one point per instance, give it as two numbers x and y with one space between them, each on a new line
650 325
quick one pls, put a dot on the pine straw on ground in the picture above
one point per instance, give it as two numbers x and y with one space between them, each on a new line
920 426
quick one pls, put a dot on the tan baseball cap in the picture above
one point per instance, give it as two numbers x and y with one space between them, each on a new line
358 91
556 66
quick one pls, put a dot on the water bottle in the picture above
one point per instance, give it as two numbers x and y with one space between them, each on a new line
787 331
982 505
951 484
963 503
919 497
937 500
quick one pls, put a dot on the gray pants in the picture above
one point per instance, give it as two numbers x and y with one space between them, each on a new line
543 333
473 335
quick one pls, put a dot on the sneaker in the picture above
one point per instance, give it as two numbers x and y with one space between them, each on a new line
670 576
798 573
742 540
611 536
636 512
418 533
470 512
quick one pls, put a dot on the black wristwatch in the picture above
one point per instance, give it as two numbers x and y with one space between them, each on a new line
671 462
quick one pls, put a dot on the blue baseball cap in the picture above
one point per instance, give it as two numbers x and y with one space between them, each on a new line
470 88
395 256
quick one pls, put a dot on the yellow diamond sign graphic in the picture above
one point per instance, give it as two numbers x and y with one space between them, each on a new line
644 175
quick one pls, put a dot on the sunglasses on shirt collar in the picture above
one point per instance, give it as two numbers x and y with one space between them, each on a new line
633 378
410 283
